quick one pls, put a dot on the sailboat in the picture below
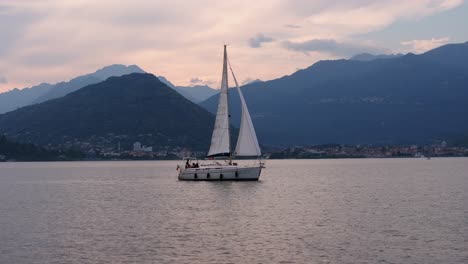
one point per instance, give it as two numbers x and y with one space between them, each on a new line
247 143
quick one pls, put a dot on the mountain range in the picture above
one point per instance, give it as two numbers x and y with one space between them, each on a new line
17 98
125 109
63 88
405 99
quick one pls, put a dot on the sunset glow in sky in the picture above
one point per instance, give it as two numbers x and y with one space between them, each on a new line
56 40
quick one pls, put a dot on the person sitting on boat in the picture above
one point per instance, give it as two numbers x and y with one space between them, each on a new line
187 164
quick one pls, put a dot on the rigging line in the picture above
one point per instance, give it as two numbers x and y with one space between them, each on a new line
233 75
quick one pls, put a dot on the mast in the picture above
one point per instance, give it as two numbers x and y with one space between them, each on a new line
225 77
220 140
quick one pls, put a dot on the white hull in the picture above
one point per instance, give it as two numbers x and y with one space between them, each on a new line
221 173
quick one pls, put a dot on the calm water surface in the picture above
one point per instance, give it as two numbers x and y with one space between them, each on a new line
302 211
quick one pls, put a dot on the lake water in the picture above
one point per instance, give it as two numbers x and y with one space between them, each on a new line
302 211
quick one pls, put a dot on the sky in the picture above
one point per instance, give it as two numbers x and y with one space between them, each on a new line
56 40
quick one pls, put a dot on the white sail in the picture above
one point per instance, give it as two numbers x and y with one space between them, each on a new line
247 143
220 140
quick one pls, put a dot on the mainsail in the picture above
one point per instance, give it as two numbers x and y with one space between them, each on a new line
220 140
247 143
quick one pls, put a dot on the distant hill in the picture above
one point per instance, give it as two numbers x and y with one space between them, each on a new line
196 94
126 109
17 98
460 141
64 88
407 99
370 57
166 82
454 55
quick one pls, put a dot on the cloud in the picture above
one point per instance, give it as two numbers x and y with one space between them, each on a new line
14 23
292 26
199 81
256 41
423 45
335 19
196 80
3 79
332 47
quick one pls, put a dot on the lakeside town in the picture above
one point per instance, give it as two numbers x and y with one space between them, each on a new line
440 149
140 151
370 151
